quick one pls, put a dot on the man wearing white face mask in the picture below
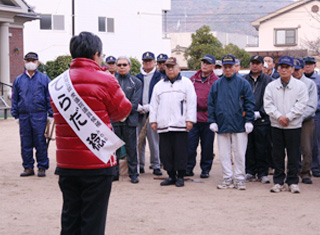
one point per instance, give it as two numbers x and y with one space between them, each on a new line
218 69
31 107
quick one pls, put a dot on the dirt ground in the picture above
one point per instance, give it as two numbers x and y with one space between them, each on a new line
32 205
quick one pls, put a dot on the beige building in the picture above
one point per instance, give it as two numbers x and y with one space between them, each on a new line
289 31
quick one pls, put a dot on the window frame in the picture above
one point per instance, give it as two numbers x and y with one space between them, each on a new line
286 43
109 25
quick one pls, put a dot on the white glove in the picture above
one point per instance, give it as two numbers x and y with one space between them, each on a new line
16 120
146 108
140 109
257 115
249 127
214 127
50 119
123 120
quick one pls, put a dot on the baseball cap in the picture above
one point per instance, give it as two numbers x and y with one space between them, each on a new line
228 59
286 60
309 60
298 63
111 59
219 63
210 58
148 56
257 58
162 58
171 61
31 55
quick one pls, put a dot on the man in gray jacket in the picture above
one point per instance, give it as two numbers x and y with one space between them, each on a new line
307 129
126 128
284 101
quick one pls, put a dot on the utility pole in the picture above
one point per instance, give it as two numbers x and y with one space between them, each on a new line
72 18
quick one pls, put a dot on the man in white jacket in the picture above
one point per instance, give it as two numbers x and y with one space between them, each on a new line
284 101
173 110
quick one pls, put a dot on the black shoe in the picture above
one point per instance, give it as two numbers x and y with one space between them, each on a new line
157 172
27 172
41 173
142 170
180 182
168 181
134 179
204 174
316 174
189 173
306 181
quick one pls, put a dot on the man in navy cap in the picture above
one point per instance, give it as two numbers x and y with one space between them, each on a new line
307 129
149 76
284 101
31 109
258 145
161 59
310 64
202 81
111 62
231 114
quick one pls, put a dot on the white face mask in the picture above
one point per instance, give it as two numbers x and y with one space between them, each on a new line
218 72
30 66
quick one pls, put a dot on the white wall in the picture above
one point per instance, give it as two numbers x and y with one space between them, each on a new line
308 28
138 27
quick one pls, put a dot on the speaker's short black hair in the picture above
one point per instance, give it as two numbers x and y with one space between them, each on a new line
85 45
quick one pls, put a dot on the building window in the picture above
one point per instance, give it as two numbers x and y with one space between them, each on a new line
49 22
106 24
45 22
285 37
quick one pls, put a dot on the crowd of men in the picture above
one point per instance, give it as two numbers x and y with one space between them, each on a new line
258 118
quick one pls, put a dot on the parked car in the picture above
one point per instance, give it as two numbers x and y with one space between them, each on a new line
188 74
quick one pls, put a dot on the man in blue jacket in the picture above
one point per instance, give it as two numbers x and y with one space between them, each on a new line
31 107
231 114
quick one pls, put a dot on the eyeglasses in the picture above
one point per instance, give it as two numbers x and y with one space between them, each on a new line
124 65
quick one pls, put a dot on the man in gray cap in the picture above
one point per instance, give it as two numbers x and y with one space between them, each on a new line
310 64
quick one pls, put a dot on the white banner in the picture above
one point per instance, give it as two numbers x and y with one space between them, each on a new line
93 132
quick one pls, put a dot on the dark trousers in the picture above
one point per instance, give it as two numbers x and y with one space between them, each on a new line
173 150
316 145
32 128
257 151
200 131
307 132
129 136
286 139
85 204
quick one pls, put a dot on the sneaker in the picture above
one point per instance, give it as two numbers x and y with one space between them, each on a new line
134 179
226 184
27 172
157 172
41 173
294 188
277 188
240 185
265 180
250 178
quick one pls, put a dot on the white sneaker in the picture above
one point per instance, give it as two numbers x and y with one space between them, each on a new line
265 180
226 184
277 188
250 178
294 188
240 185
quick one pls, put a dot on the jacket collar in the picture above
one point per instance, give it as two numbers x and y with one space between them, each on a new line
179 77
84 62
289 85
